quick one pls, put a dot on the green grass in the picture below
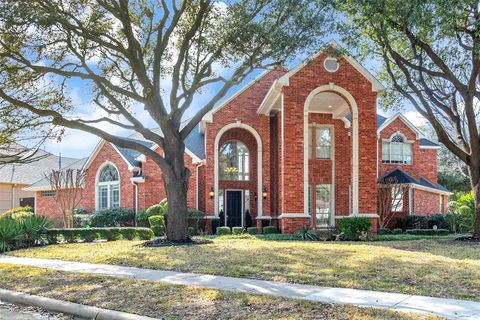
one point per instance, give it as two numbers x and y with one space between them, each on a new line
409 237
177 302
442 268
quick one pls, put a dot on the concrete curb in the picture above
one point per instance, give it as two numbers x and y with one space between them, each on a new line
71 308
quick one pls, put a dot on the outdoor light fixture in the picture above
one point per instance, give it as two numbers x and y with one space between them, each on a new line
212 193
264 193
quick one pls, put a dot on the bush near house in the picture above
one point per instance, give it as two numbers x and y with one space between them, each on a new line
252 230
115 217
237 230
353 228
422 222
223 231
428 232
54 236
157 224
18 213
270 230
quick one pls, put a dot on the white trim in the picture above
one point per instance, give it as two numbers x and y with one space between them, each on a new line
293 215
130 167
355 153
263 218
195 158
360 215
99 170
410 201
331 58
137 179
430 147
211 217
272 96
376 85
226 191
238 124
92 156
432 190
400 116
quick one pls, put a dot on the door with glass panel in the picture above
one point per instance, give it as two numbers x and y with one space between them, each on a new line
323 205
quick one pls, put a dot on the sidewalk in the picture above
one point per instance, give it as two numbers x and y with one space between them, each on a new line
449 308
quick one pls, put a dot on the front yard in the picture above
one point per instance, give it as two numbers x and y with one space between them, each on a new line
177 302
442 268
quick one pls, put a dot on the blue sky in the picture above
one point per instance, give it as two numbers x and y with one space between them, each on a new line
80 144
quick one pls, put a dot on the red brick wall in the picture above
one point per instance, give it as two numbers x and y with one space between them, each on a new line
48 207
244 109
202 192
302 83
424 162
425 203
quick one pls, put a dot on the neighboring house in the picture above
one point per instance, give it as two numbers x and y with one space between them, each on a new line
14 177
293 148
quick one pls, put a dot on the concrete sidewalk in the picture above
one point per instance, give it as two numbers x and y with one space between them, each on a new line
449 308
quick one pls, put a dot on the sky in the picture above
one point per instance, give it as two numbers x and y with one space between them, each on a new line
78 144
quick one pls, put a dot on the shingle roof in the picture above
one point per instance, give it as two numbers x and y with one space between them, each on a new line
44 184
195 142
27 173
400 176
428 143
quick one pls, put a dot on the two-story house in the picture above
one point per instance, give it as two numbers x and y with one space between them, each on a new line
292 148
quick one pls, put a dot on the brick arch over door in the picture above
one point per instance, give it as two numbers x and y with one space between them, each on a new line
219 141
354 119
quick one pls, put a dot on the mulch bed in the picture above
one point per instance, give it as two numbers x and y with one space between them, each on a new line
162 242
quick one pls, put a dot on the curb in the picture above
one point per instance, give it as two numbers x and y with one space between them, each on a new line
71 308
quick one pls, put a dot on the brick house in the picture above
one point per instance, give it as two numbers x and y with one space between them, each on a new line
292 148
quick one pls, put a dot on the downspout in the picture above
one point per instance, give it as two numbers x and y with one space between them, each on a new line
136 203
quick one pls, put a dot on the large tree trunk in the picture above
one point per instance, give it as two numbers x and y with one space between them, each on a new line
176 177
476 197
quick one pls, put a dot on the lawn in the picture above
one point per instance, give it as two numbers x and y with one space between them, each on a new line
176 302
442 268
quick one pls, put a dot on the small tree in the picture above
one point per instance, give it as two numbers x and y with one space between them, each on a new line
389 196
68 187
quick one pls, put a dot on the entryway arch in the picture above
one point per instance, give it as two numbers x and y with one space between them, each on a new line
354 121
259 163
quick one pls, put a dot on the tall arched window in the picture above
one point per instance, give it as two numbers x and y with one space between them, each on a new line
234 162
108 188
397 150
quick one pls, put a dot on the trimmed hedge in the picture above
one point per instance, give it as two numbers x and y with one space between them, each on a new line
270 230
157 224
223 231
116 217
428 232
252 230
53 236
397 231
237 230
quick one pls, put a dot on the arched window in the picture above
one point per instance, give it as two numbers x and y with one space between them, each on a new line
108 188
234 162
397 150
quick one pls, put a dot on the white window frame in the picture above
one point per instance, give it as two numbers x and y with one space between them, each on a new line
330 130
397 205
387 143
109 185
243 162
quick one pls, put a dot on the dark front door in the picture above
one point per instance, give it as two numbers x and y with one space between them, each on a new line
234 208
27 202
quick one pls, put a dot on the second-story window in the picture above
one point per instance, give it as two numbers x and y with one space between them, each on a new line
323 145
397 150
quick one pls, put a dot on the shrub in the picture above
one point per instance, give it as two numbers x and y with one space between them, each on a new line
190 232
252 230
88 235
397 231
157 224
222 231
326 235
115 217
81 211
270 230
305 234
384 231
438 220
196 219
8 214
33 229
237 230
428 232
82 220
159 209
11 235
142 218
21 215
352 228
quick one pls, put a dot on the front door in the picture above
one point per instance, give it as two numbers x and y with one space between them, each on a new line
234 208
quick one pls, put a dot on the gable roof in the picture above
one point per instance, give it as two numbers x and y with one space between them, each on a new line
27 173
428 144
400 116
43 183
376 85
402 177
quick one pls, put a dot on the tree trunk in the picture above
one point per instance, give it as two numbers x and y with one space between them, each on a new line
176 177
476 197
